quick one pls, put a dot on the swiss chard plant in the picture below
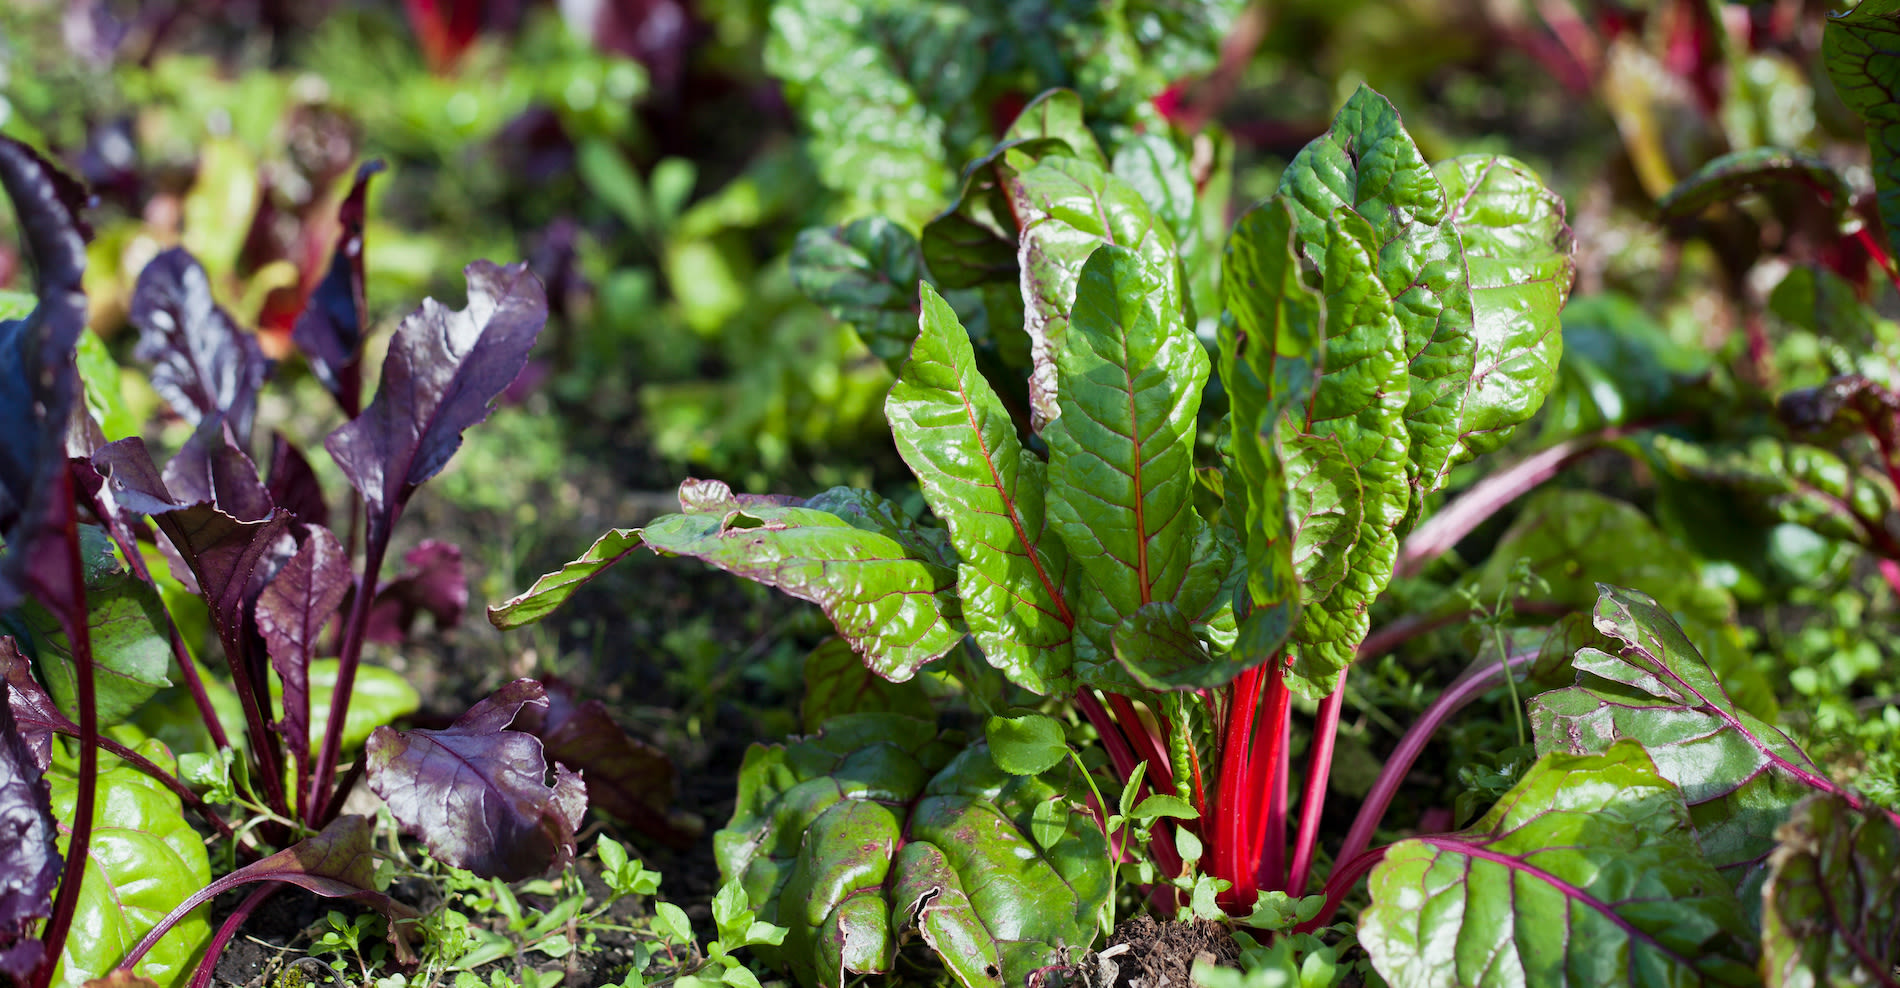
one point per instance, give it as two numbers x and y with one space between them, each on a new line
109 560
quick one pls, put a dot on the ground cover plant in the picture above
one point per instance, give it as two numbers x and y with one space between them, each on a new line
1388 494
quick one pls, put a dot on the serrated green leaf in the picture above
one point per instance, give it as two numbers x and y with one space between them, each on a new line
131 651
956 437
864 273
144 860
1367 165
1831 905
1862 52
1518 254
1361 402
1067 208
1738 773
1585 873
1029 744
1121 448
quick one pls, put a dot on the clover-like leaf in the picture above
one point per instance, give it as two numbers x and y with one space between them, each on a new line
866 274
1739 774
1831 905
476 793
1862 51
815 840
202 363
1585 873
956 437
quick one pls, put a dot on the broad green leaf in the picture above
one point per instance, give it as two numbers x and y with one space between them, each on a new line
896 607
1366 165
881 86
1157 170
815 841
1270 343
1738 773
1862 51
16 305
131 651
1518 253
864 274
1057 114
1121 449
1739 172
1067 208
143 861
1799 484
837 682
1029 744
553 589
1361 402
378 696
956 437
1576 539
1831 906
1585 873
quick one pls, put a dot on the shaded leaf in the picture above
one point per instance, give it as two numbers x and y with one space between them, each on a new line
432 583
1861 49
203 365
1738 774
865 274
1831 905
1844 406
1585 873
838 683
476 793
1792 482
292 484
1156 169
1739 172
626 778
330 329
956 437
1619 366
124 619
1029 744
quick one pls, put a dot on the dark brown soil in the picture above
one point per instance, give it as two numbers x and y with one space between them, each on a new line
1162 955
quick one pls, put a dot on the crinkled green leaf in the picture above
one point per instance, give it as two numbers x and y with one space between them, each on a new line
1361 401
957 438
1067 208
864 273
1327 507
1585 873
1738 773
895 606
1121 448
1739 172
1575 539
1270 344
1831 906
837 682
1518 253
131 652
1862 52
1796 483
1368 166
143 860
815 841
881 86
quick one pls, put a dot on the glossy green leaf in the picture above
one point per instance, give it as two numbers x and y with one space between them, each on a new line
815 841
1518 253
866 274
1361 401
1028 744
1327 507
1619 366
1367 166
837 683
131 651
955 435
1057 114
1585 873
1824 303
1067 208
105 395
1739 172
1576 539
1831 906
1738 773
144 859
1862 52
1152 164
1121 450
895 605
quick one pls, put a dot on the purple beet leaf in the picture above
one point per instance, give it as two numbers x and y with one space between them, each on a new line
432 582
210 468
293 485
329 331
29 862
443 370
35 716
476 793
202 363
626 778
291 613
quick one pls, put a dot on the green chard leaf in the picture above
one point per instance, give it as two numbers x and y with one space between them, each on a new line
878 826
1361 402
865 274
1585 873
1121 449
837 683
1831 906
1068 207
124 616
1795 483
1738 172
1862 51
956 437
1368 167
1738 773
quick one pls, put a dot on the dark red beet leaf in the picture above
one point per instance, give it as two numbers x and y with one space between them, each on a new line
202 364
